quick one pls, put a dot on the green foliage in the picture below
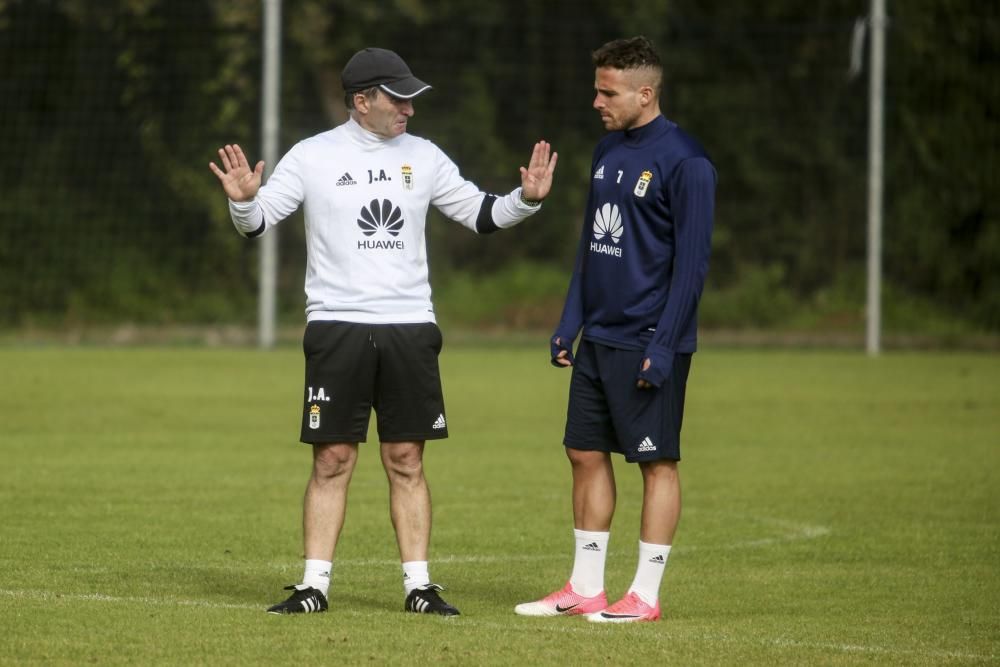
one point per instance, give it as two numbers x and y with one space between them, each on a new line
943 139
521 296
110 111
108 184
759 299
151 498
762 300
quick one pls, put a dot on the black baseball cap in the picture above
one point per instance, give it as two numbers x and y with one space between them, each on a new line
383 68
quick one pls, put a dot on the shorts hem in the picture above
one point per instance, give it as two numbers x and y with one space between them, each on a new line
665 457
590 448
411 437
328 439
613 450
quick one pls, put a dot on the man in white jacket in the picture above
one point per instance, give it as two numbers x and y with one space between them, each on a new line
371 340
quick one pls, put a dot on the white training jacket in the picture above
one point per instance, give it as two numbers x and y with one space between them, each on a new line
365 200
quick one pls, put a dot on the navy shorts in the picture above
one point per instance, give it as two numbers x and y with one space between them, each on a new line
609 413
352 368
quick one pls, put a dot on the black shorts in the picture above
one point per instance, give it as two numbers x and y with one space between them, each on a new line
609 413
352 368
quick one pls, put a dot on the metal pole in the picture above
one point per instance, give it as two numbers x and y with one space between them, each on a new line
876 100
271 90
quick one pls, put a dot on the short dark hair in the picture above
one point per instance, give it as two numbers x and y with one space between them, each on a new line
370 93
628 53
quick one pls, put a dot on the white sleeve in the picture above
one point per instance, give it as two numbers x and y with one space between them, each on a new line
511 209
464 202
275 201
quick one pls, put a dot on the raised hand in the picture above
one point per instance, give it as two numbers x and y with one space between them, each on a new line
536 179
238 180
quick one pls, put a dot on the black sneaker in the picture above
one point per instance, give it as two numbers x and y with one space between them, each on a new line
425 600
304 600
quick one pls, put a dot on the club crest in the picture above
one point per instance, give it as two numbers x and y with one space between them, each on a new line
642 184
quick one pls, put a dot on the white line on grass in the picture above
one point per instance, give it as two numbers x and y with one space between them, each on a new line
577 628
788 531
791 532
881 650
100 597
672 639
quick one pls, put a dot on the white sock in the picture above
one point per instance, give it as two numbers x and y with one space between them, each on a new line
588 563
415 575
649 573
317 575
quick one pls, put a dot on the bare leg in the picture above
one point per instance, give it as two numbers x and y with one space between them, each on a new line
326 498
409 498
594 490
661 501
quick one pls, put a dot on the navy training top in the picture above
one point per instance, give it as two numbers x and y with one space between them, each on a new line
644 249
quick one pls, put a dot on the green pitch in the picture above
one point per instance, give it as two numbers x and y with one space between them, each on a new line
837 510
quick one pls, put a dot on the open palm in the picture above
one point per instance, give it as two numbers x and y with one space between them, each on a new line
238 180
536 179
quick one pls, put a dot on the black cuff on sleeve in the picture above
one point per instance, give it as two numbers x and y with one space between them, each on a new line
260 230
484 222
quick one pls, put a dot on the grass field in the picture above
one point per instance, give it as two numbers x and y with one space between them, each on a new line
838 510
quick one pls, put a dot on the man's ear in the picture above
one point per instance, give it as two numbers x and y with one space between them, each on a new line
646 95
361 103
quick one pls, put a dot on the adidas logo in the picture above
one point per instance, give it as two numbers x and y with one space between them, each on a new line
592 547
599 174
346 180
657 559
310 604
646 445
439 423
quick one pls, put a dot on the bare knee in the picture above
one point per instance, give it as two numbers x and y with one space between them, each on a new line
403 461
660 471
334 460
582 459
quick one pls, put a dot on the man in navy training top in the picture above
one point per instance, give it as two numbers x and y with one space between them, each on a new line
639 273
